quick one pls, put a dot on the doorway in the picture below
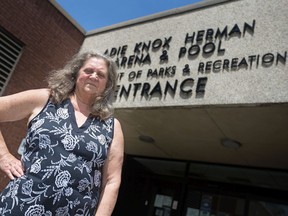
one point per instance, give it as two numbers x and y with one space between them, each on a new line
156 187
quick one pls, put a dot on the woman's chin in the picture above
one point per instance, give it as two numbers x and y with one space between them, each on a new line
93 91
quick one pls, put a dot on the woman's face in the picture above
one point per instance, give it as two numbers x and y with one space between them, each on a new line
93 77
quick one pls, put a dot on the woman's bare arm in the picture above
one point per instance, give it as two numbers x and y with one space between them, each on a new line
112 173
15 107
21 105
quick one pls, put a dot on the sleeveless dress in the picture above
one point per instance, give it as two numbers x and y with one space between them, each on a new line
63 165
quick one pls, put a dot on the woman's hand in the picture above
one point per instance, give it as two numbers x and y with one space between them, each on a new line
11 166
26 104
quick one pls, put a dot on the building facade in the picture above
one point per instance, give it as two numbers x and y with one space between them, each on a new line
202 97
36 38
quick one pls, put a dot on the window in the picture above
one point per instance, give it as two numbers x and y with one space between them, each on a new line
10 51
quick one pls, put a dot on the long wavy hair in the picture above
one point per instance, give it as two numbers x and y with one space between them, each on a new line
62 83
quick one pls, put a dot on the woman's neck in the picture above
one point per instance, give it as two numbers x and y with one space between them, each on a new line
80 104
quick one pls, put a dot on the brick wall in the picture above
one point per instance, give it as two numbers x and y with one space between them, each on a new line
49 39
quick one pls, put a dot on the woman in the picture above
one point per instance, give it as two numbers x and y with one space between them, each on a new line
74 149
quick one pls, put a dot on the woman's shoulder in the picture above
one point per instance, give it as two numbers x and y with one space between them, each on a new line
37 97
40 99
23 104
40 92
117 126
111 122
116 121
32 95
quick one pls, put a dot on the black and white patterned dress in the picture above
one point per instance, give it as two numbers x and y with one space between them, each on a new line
63 165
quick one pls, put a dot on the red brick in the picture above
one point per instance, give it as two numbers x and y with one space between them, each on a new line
49 39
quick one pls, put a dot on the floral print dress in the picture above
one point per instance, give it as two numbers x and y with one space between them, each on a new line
63 165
